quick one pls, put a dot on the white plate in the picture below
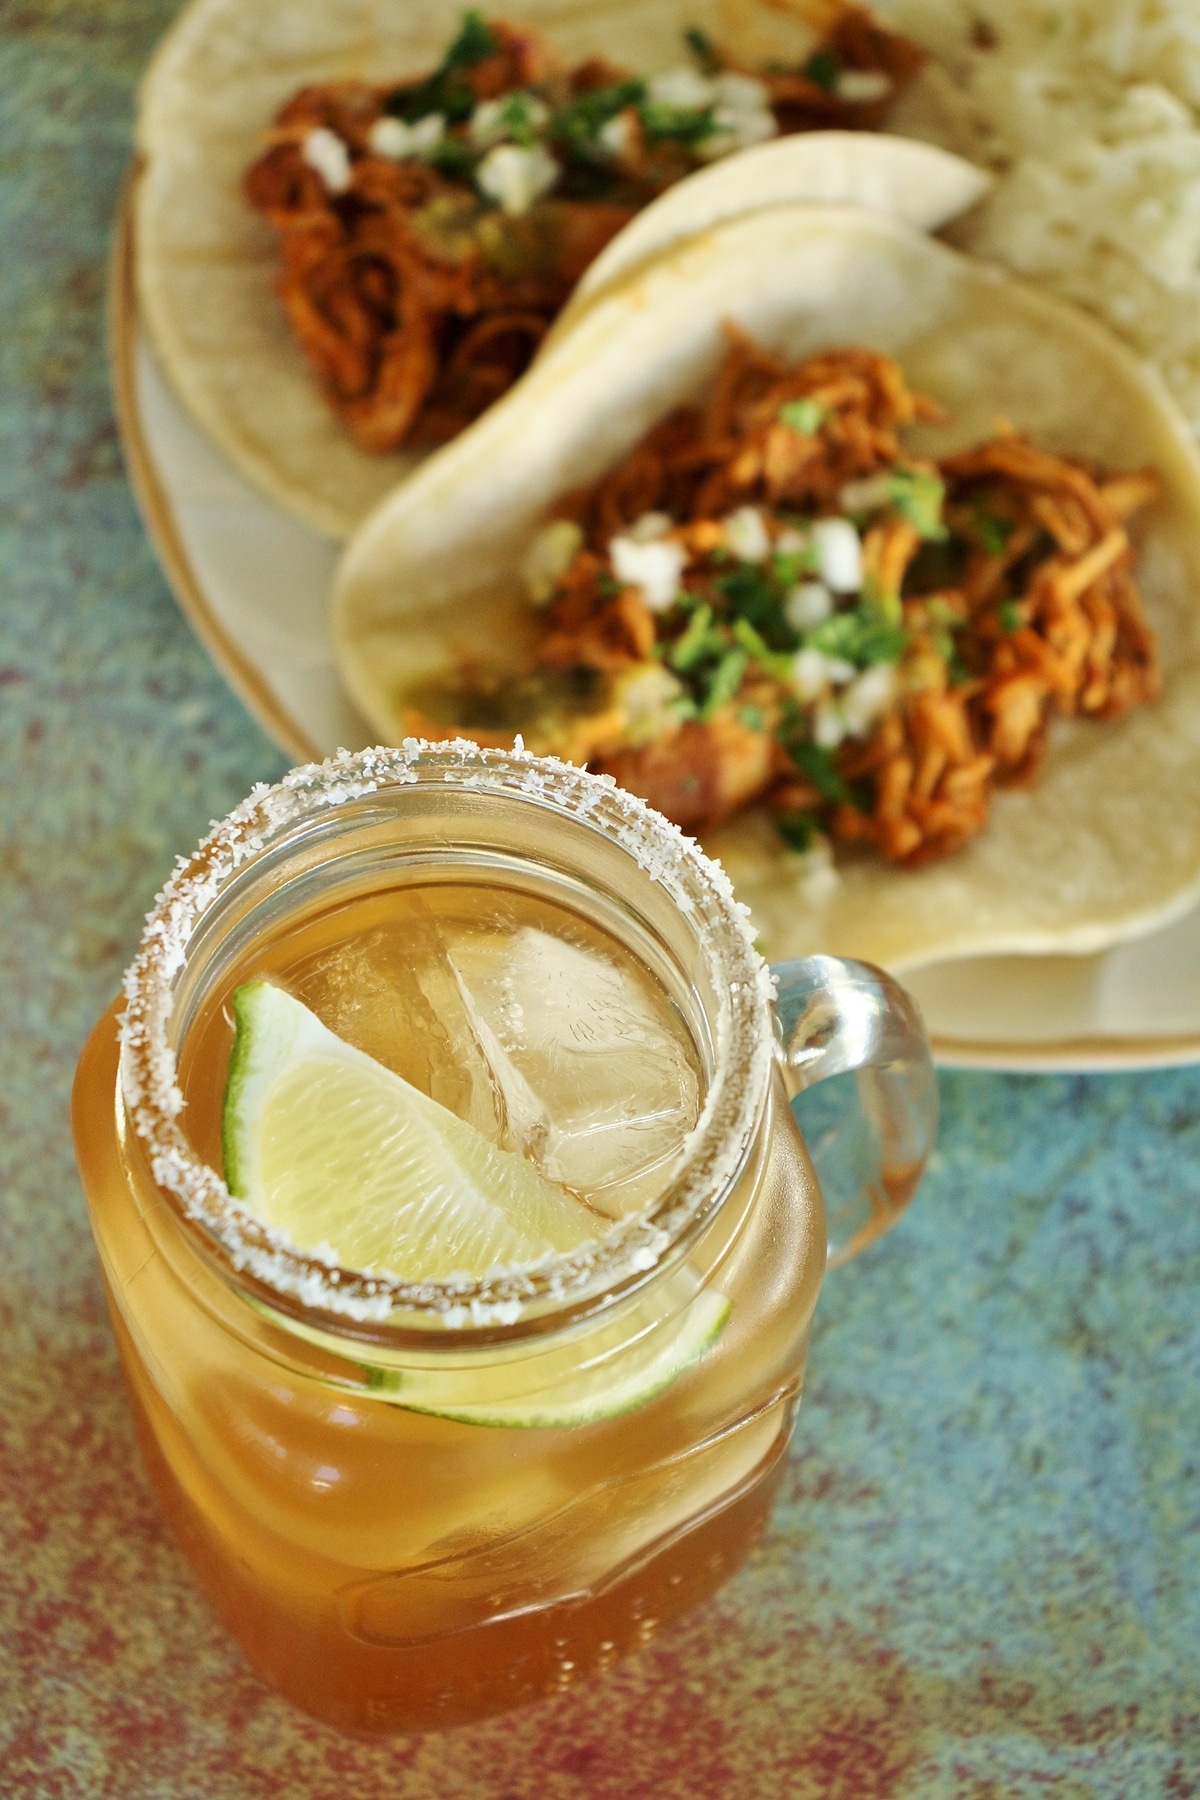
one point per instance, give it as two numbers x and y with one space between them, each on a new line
254 585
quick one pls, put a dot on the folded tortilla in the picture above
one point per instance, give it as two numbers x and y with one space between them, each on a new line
206 263
1107 845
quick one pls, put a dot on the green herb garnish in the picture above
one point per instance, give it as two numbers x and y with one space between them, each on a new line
994 532
576 128
818 765
776 663
749 593
797 830
823 70
450 156
860 637
918 496
724 681
804 416
698 643
1010 616
680 124
445 91
703 49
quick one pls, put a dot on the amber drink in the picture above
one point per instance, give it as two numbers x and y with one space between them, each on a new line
419 1494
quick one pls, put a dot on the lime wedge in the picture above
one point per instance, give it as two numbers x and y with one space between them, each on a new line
326 1145
640 1358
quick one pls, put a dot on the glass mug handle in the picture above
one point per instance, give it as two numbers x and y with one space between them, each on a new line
838 1017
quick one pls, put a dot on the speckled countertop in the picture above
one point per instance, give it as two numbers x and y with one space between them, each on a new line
983 1578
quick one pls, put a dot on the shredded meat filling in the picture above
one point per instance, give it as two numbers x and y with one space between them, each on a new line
994 591
415 297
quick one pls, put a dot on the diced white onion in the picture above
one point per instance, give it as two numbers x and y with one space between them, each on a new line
861 86
616 135
652 568
399 141
682 88
807 605
651 525
515 177
736 131
746 535
839 555
645 695
813 672
868 697
742 93
829 725
324 151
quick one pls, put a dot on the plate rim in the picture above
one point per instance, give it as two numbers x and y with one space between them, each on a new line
1101 1054
153 502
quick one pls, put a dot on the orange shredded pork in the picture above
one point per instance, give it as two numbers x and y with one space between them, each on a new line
995 590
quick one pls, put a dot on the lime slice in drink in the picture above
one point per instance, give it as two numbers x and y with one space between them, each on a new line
609 1370
326 1145
340 1154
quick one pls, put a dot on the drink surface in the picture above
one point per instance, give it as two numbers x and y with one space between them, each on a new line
527 1022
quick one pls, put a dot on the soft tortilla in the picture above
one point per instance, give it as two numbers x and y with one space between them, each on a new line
1108 844
207 264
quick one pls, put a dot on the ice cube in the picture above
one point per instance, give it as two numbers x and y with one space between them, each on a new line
392 993
593 1065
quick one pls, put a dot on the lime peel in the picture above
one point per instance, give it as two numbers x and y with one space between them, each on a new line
623 1383
329 1147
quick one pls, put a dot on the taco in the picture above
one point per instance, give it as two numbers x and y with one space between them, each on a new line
355 226
979 738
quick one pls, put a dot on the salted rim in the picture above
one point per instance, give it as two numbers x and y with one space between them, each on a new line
708 1158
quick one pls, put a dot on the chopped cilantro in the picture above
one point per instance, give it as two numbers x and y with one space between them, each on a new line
517 118
608 585
994 532
749 593
884 606
860 637
917 495
789 565
682 124
703 49
476 41
818 765
445 91
804 416
724 681
576 127
752 717
823 70
797 829
450 156
697 642
775 663
1010 616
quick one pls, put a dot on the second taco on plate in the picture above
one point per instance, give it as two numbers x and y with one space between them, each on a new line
869 564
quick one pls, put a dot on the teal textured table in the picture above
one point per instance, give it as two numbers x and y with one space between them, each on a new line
983 1577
